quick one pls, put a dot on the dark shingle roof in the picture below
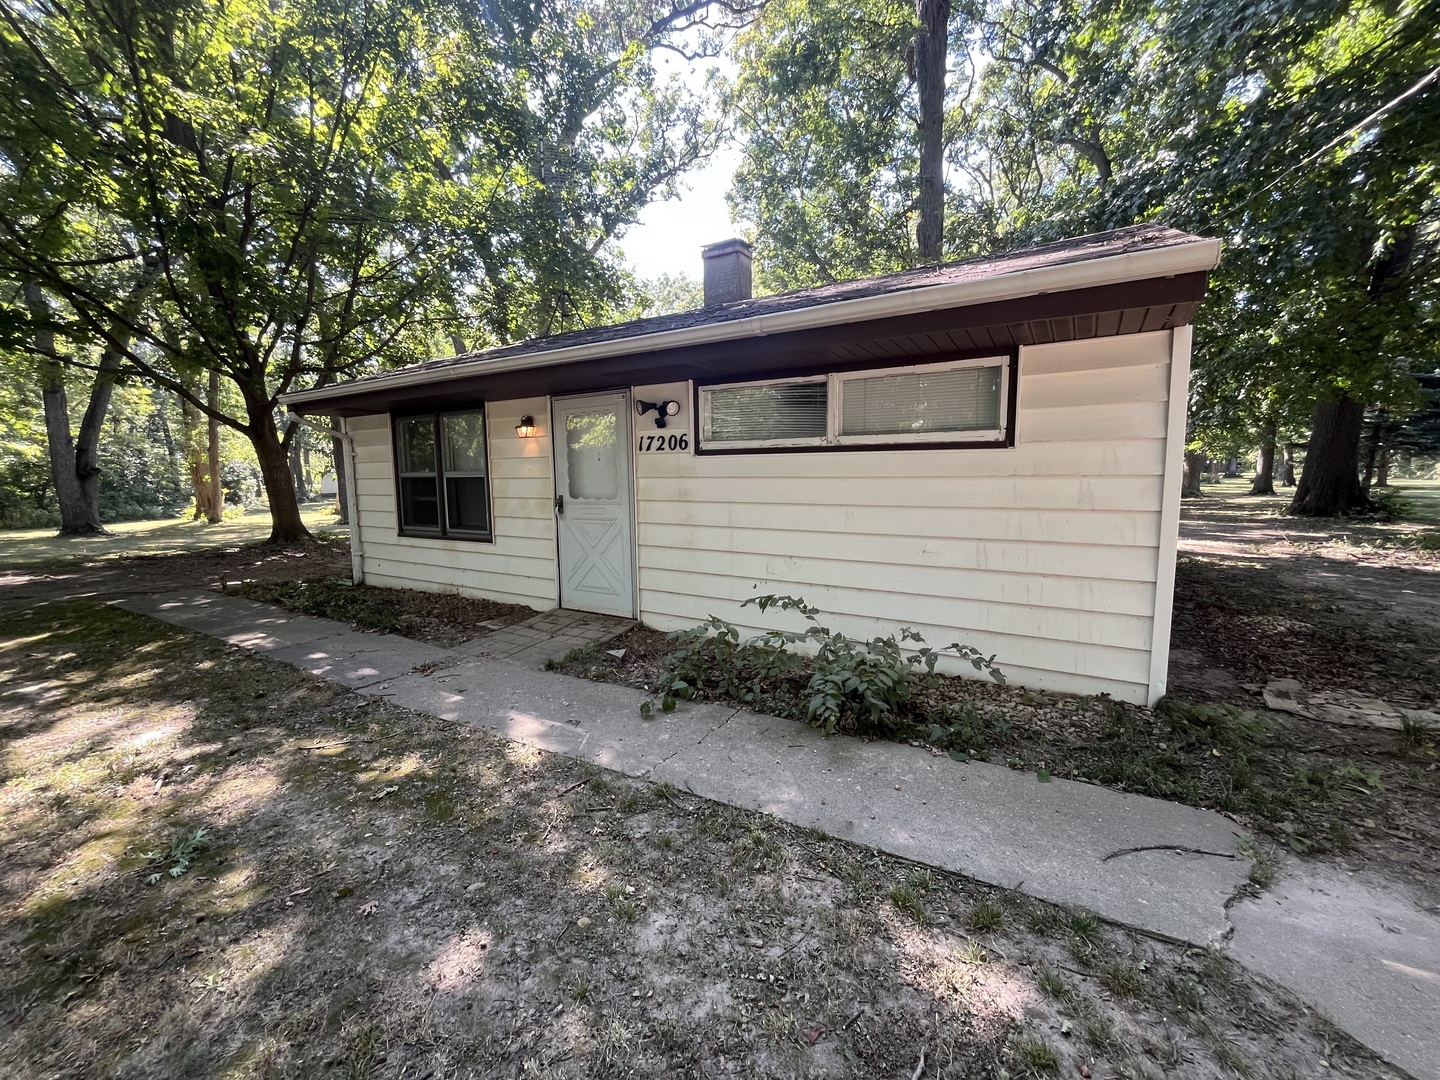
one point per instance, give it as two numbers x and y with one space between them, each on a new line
1078 249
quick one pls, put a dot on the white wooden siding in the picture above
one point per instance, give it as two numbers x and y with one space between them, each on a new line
1052 554
519 567
1046 554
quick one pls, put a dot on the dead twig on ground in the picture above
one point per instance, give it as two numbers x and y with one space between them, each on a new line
348 742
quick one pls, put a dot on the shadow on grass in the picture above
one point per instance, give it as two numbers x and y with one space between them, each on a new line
167 536
1225 511
380 893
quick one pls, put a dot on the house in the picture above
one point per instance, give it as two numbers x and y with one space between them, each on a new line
988 451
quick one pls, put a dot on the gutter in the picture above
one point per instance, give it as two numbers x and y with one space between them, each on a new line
1200 255
352 509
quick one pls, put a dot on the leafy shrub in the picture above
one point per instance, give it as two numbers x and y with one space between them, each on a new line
1391 504
20 516
864 684
185 848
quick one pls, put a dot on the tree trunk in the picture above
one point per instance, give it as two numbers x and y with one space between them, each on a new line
342 483
1287 478
1190 483
1214 469
87 443
931 54
215 504
1330 482
79 503
197 465
1382 468
1372 449
297 469
286 526
1264 482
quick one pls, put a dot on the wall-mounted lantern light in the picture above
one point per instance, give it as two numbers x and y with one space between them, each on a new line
526 428
661 409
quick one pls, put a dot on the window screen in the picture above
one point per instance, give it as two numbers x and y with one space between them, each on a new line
592 455
419 487
918 403
793 411
467 504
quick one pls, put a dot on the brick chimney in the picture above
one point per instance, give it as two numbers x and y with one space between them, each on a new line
727 271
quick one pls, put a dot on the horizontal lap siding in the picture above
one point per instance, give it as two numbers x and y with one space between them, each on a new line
518 568
1044 554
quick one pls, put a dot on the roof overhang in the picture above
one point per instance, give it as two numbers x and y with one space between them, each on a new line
1124 293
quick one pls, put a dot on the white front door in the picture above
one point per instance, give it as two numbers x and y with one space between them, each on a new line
592 503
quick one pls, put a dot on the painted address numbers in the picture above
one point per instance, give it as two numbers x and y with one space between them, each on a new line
654 443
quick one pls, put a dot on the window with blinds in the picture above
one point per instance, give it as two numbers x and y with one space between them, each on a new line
963 401
789 412
921 403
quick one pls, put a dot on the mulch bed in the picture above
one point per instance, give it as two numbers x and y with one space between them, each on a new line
444 619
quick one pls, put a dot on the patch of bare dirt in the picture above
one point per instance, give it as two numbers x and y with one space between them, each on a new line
213 865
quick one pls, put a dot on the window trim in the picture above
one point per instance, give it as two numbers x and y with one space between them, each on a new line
835 377
444 532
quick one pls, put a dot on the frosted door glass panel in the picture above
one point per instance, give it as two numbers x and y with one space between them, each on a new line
592 455
912 404
756 413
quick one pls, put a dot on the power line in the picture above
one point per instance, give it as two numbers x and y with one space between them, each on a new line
1353 129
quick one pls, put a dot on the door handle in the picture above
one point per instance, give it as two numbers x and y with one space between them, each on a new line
560 504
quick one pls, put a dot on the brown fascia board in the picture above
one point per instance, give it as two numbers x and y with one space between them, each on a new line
1007 321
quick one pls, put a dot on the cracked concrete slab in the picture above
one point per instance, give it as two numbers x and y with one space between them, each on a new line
247 623
1358 949
358 660
1134 860
595 722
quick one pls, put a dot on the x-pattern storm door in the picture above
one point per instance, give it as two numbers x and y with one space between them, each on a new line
592 503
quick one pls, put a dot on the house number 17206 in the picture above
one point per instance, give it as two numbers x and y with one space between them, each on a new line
652 443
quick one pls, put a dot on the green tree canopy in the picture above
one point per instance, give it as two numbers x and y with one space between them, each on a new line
292 191
1303 133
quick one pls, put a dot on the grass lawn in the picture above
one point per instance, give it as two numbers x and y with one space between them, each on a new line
1422 497
31 547
212 865
1227 503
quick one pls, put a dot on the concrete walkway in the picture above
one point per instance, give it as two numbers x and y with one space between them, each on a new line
548 636
1362 954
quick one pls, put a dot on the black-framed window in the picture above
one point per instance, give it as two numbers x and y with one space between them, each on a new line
442 475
